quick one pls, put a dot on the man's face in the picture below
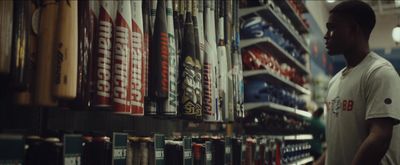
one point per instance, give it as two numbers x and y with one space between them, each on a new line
339 37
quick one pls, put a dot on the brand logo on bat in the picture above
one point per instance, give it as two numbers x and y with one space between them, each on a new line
164 62
137 87
104 58
121 64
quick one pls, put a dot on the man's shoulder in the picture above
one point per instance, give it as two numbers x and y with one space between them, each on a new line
376 63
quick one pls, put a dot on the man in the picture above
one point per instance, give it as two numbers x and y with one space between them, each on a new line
363 98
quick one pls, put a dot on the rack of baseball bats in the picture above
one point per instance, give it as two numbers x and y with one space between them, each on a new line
171 58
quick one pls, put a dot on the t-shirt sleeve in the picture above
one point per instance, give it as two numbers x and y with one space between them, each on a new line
383 93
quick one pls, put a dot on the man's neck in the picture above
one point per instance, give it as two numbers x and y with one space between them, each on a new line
355 56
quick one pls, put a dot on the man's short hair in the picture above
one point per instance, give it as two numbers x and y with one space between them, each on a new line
360 12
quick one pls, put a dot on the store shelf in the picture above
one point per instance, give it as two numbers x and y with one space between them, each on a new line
277 107
303 161
42 120
275 48
292 15
268 14
291 137
279 78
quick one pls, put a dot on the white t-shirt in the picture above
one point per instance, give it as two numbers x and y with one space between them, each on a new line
369 90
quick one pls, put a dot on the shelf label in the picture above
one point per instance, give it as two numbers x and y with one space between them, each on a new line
159 143
14 156
72 149
187 151
228 153
208 153
119 148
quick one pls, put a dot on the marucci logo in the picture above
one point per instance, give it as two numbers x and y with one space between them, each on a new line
137 93
120 64
104 59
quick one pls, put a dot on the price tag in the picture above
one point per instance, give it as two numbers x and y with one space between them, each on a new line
119 148
72 149
11 149
187 151
159 143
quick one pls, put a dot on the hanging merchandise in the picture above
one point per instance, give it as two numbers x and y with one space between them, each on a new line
223 64
200 25
148 105
196 30
24 50
44 77
153 14
210 95
122 59
138 82
190 79
177 32
237 62
228 30
172 103
6 33
159 60
87 22
104 70
66 58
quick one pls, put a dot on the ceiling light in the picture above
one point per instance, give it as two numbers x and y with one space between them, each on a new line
397 3
396 34
331 1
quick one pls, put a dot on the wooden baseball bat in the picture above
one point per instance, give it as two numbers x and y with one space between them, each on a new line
66 55
24 76
6 26
46 49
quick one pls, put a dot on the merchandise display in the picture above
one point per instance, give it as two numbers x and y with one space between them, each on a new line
153 82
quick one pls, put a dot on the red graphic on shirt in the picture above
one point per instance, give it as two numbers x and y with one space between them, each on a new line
347 105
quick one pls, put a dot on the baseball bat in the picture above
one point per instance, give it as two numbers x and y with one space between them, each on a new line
6 25
200 25
228 42
196 28
104 53
209 77
223 63
66 55
87 22
215 61
153 13
159 59
177 27
238 62
147 37
150 106
138 83
20 41
46 49
24 50
122 59
172 103
190 69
